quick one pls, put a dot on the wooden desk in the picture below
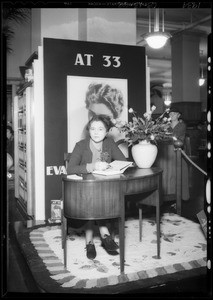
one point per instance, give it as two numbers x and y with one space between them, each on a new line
103 197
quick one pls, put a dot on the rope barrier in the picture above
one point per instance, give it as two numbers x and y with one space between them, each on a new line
195 165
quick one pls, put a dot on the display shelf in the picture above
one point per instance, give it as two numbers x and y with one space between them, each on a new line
23 150
30 60
23 87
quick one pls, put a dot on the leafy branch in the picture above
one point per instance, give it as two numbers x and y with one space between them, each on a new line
11 16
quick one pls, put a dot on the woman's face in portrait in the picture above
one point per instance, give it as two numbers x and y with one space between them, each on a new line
97 131
102 109
99 109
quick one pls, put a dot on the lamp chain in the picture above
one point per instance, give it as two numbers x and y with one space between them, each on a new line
149 20
162 20
156 26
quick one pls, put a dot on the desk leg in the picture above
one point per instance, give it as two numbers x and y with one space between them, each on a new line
121 238
64 241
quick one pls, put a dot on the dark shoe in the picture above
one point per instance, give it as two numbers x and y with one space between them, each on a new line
109 244
91 252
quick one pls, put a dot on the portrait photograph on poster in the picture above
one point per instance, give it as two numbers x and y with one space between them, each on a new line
87 96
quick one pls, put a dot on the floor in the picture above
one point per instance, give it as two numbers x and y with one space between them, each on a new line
20 280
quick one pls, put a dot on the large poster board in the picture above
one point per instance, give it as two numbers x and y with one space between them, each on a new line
70 67
87 96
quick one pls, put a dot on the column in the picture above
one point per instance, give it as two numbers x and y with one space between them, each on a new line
185 67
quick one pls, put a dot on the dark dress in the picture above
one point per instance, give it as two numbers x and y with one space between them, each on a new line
179 131
82 155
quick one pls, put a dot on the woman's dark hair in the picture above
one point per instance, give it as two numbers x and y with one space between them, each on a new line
10 128
104 93
104 119
174 109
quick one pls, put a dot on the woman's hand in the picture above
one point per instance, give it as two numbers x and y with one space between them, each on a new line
101 165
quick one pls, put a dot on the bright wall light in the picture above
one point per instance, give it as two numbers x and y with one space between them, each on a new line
167 102
201 81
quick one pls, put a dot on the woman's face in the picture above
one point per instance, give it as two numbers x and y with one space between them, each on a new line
9 134
174 116
99 109
102 109
97 131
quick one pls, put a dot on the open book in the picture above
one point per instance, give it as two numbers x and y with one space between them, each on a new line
115 167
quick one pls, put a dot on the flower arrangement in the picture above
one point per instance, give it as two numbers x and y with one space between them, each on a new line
145 128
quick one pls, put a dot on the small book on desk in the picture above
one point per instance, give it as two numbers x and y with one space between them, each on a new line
115 167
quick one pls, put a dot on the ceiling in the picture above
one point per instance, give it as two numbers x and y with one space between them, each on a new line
176 20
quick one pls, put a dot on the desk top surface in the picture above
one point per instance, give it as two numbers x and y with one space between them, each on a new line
129 174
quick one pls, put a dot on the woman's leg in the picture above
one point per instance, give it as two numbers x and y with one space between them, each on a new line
102 224
103 230
90 247
89 232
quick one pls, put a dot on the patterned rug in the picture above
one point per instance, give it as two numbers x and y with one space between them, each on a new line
183 247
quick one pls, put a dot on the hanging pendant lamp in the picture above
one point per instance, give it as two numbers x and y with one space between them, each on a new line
156 39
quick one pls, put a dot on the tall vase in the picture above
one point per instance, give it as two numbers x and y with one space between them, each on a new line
144 154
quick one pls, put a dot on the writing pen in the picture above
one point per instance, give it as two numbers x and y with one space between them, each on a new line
108 167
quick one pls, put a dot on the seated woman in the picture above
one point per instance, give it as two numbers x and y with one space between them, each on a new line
179 131
85 158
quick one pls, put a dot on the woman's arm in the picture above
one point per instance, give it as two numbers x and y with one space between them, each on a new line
74 166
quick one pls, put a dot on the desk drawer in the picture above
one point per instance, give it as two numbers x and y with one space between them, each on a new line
91 200
141 185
